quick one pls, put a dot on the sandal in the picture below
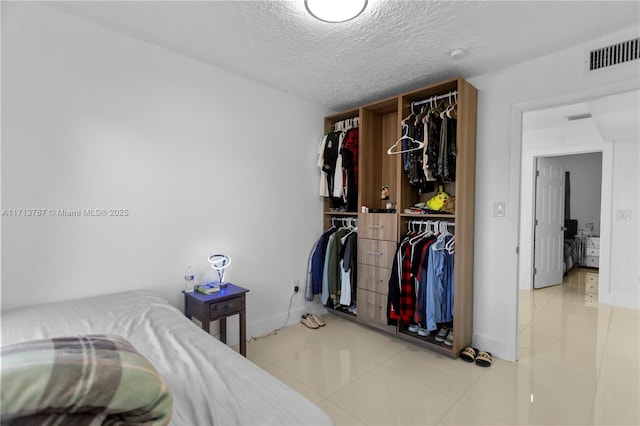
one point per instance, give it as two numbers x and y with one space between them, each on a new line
483 359
316 319
308 322
468 354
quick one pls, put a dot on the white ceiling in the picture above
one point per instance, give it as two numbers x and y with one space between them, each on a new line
616 117
392 47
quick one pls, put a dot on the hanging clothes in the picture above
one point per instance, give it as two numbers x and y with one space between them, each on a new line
421 283
338 163
350 169
435 126
332 266
315 266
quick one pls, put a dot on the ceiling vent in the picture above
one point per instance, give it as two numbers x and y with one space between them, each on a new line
618 53
579 116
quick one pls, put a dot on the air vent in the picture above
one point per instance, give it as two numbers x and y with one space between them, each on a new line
615 54
579 116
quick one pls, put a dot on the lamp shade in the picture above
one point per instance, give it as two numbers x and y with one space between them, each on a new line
220 262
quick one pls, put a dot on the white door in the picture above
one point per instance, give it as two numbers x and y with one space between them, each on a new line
549 223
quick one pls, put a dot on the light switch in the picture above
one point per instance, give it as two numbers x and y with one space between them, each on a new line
623 215
498 209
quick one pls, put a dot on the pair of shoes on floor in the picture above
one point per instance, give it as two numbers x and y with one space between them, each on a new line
312 321
481 358
445 335
415 328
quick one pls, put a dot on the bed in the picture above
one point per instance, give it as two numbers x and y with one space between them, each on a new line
571 251
209 382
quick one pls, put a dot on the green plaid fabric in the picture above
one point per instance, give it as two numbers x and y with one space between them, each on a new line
81 380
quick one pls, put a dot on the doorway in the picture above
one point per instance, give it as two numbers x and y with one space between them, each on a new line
522 169
568 197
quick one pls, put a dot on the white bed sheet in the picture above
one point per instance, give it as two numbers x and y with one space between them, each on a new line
211 384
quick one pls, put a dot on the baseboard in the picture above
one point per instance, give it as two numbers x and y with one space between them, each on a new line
497 347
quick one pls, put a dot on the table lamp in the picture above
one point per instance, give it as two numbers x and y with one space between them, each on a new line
220 262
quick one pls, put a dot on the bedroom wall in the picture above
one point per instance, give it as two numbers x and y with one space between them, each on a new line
585 171
202 162
95 119
555 79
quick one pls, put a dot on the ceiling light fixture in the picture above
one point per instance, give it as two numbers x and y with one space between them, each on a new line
335 11
457 54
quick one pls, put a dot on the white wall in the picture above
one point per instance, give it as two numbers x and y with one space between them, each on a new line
204 162
625 272
208 162
585 174
555 79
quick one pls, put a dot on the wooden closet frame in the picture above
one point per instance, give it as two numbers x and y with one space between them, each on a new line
380 127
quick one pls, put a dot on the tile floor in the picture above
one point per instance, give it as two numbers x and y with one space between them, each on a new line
579 364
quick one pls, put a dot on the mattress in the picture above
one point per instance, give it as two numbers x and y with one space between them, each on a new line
211 384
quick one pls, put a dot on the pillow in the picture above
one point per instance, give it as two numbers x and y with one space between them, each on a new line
94 379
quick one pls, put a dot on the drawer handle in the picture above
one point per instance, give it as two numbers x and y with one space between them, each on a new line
375 253
376 226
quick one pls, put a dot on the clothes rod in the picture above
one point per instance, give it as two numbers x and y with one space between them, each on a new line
427 222
346 124
435 98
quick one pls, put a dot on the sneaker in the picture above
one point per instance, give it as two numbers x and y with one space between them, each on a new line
442 334
413 328
449 340
423 332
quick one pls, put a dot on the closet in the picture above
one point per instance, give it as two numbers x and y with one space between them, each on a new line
387 196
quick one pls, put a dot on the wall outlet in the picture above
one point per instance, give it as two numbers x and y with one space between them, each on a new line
296 286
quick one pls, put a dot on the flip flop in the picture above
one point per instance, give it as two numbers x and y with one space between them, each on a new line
316 319
308 322
483 359
468 354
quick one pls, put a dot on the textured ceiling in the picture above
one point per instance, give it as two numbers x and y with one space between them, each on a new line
392 47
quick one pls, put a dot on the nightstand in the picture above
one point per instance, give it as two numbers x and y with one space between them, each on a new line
230 300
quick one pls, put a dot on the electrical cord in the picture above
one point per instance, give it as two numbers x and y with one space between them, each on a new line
275 331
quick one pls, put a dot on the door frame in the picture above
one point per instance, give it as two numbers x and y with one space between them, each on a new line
527 226
515 193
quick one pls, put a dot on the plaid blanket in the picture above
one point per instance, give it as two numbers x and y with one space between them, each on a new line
81 380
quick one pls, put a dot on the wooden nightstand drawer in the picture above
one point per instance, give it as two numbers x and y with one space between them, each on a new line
230 300
225 308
